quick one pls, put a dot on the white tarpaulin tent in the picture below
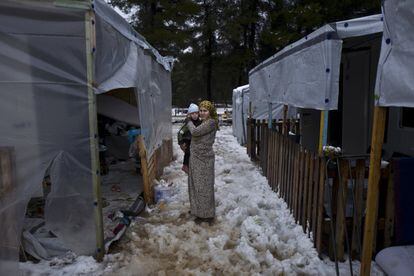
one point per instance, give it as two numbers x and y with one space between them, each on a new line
259 111
240 113
305 74
395 79
51 66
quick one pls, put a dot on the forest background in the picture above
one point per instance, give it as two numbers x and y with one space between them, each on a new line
216 43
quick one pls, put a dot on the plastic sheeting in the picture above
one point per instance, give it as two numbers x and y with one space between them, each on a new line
117 109
395 82
241 100
259 111
306 73
44 96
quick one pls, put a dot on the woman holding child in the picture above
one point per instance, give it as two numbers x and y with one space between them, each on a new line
201 167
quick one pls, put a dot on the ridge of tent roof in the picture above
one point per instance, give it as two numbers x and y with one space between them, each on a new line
337 30
108 14
241 88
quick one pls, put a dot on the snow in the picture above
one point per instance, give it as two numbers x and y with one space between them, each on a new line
241 88
254 232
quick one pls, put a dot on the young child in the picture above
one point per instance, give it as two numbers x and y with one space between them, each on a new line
184 135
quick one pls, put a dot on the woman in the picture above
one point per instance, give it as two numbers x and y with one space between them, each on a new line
201 174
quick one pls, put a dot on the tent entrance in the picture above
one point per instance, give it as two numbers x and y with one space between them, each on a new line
121 180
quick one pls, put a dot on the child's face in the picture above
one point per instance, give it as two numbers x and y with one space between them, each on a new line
194 115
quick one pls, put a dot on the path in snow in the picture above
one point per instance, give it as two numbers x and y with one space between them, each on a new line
254 233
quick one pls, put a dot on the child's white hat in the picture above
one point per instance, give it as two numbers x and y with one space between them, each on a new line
192 108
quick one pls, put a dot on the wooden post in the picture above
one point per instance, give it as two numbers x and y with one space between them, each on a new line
144 169
90 38
373 189
284 123
323 131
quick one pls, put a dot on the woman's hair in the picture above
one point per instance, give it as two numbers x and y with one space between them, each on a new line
211 109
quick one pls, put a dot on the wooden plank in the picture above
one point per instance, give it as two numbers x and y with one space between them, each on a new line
284 123
248 138
389 209
292 174
285 164
295 179
310 192
265 143
358 208
291 171
272 159
323 131
269 158
334 207
276 169
294 170
287 172
6 171
373 189
321 193
300 184
258 137
277 172
252 139
144 170
341 209
90 45
281 161
305 190
274 164
315 197
284 168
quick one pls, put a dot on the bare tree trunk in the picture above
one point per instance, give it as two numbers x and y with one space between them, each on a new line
208 49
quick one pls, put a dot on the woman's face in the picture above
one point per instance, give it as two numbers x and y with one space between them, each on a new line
204 113
194 115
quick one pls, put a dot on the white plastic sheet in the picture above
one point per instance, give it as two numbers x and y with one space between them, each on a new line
240 113
259 111
306 73
45 116
395 81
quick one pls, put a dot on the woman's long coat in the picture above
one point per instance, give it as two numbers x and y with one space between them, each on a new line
201 173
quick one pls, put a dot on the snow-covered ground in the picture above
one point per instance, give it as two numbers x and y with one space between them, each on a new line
254 232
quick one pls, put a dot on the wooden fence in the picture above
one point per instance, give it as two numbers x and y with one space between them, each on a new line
152 168
326 195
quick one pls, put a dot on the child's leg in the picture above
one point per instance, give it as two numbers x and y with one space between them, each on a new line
186 160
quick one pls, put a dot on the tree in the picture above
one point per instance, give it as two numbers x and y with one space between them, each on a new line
218 42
